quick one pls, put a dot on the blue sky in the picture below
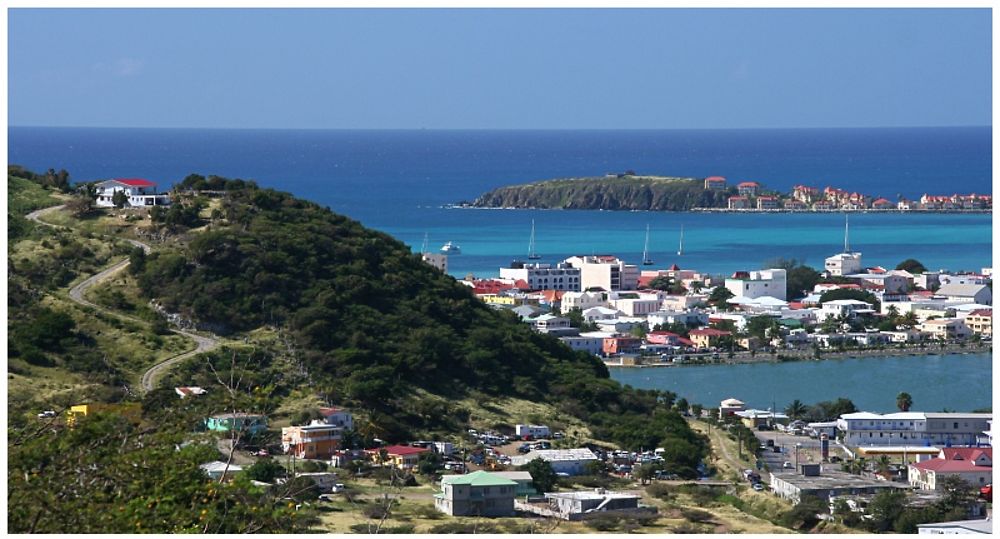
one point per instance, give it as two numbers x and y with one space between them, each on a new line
596 68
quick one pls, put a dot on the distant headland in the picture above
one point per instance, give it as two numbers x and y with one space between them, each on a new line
632 191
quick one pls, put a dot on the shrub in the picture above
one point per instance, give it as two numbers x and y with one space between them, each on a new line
697 515
660 490
464 527
603 522
376 511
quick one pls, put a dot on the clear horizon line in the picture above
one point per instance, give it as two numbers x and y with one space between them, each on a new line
204 128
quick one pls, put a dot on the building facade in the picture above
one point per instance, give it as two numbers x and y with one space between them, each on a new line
138 193
607 272
544 276
912 428
479 493
755 284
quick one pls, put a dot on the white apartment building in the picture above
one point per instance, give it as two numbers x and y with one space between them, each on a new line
605 272
842 264
583 301
138 193
755 284
579 343
945 328
691 318
843 307
634 304
912 428
891 284
544 276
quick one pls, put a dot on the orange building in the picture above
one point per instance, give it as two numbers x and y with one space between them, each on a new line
318 440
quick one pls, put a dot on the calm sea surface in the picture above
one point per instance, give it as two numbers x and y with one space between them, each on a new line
398 181
961 382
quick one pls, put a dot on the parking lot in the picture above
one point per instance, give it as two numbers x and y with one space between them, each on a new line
809 450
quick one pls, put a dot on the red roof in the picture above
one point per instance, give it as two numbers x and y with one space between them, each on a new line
737 198
982 312
710 332
749 184
134 182
715 179
403 450
328 411
674 267
661 334
958 459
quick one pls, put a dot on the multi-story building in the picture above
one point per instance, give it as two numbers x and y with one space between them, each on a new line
945 328
980 321
972 293
715 183
604 271
544 276
739 203
707 337
883 204
580 343
634 304
582 301
748 189
842 264
912 428
755 284
479 493
971 464
138 193
847 308
318 440
768 203
805 194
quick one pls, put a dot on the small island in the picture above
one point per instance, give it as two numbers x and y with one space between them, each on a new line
631 191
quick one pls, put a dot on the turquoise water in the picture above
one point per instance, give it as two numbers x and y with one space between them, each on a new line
958 382
397 181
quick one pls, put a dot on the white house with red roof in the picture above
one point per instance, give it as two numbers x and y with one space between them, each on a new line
748 189
140 193
972 464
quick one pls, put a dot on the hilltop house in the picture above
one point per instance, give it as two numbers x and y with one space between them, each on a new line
715 183
139 193
318 440
403 457
250 424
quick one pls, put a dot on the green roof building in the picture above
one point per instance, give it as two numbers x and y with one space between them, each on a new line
476 494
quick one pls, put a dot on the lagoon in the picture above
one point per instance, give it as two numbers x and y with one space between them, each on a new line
957 382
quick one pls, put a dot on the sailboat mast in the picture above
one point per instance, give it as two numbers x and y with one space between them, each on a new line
680 246
531 242
645 246
847 244
423 249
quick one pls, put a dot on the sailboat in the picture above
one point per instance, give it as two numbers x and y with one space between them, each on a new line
423 248
532 255
646 261
680 247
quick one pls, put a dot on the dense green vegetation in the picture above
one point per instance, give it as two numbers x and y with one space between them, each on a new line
372 323
608 193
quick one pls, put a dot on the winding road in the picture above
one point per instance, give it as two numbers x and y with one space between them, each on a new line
203 343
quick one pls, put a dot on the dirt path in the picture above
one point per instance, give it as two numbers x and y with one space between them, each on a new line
203 343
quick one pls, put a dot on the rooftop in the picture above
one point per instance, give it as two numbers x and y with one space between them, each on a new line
833 479
478 479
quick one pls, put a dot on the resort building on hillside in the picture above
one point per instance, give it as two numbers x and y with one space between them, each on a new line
842 264
912 428
479 493
606 272
755 284
717 183
971 464
544 276
139 193
748 189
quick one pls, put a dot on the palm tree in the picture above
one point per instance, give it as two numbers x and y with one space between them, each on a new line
796 409
883 465
904 401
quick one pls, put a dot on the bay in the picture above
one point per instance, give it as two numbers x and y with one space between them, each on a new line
957 382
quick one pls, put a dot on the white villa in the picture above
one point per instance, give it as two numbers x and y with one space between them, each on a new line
140 193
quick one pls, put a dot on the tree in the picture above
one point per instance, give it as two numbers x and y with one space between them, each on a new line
763 327
911 265
848 293
429 462
543 477
80 205
119 199
265 470
884 509
681 405
799 278
661 283
696 410
719 296
796 409
904 401
805 515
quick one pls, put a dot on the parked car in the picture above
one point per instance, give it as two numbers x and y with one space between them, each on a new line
787 465
557 436
47 414
758 487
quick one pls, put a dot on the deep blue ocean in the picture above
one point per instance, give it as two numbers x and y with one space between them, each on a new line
398 181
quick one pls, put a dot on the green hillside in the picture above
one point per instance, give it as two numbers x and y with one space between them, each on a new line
608 193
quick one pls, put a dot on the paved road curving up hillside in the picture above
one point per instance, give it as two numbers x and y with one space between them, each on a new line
204 343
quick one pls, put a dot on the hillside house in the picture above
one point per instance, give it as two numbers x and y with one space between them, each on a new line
140 193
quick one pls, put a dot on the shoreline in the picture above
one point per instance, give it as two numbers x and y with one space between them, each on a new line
796 356
723 210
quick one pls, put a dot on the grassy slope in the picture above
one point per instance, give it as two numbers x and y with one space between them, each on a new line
613 193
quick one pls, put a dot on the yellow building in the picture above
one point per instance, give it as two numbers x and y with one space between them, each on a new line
496 299
131 411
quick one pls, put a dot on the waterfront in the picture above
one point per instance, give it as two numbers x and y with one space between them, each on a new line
398 181
958 382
